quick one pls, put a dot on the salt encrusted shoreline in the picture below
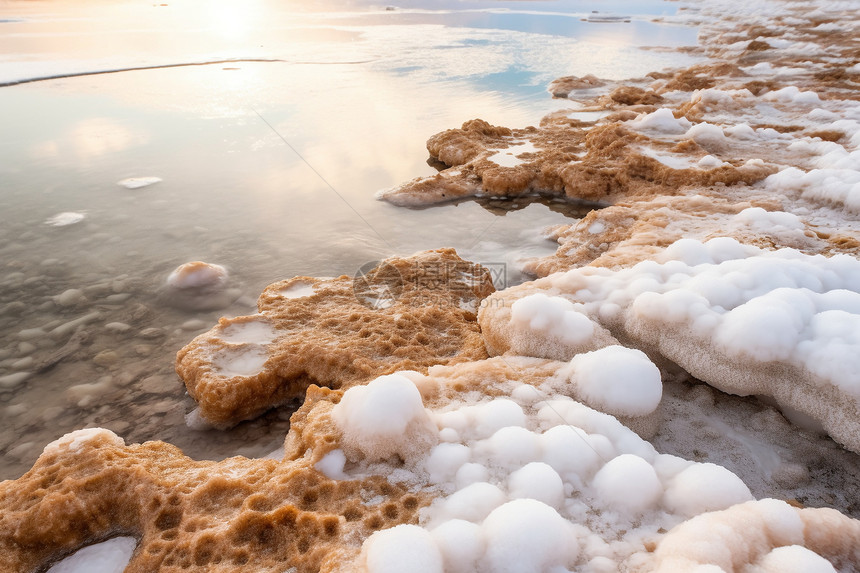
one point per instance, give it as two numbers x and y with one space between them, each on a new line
730 248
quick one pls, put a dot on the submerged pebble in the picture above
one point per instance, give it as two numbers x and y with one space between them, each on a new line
31 333
193 324
152 333
25 348
71 297
106 358
14 380
118 327
117 298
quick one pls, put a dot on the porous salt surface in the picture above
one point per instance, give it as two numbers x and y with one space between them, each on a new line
109 556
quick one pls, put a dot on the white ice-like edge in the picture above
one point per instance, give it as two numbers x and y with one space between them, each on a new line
75 441
109 556
508 473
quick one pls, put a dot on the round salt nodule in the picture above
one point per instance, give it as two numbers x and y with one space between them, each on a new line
197 274
618 380
629 483
198 286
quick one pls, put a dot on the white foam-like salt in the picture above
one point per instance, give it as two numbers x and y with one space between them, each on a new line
555 316
660 121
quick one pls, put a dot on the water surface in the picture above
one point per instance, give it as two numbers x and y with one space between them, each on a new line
267 167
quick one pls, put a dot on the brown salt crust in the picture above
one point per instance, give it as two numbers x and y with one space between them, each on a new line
744 534
699 77
601 164
237 514
334 337
630 232
632 95
562 87
826 74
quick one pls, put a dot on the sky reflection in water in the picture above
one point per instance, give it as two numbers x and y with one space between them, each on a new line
356 93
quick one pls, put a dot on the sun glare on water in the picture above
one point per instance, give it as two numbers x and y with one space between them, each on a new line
231 19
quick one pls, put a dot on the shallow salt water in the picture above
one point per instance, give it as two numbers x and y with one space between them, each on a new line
268 168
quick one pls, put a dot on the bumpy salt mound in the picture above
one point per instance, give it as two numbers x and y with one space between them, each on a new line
529 480
545 327
335 333
748 321
618 381
766 536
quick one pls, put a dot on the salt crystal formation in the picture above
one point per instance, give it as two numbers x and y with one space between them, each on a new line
726 248
334 333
